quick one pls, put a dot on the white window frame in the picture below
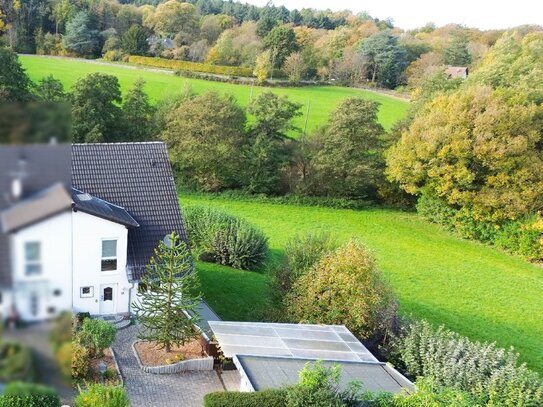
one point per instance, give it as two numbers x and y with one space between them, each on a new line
89 295
116 257
32 262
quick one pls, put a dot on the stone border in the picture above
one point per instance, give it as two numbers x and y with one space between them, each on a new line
182 366
119 374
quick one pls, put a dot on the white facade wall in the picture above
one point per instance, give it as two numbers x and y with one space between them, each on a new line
89 231
43 295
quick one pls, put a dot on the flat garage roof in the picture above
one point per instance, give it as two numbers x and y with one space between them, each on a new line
327 342
265 372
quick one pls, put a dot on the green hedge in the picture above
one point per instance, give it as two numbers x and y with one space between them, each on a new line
20 394
191 66
265 398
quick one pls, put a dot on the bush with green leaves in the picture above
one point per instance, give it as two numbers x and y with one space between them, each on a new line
345 288
222 238
301 253
79 358
16 362
20 394
265 398
522 236
493 376
61 332
100 333
102 395
320 386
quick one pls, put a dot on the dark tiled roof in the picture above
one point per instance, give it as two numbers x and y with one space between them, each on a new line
87 203
137 177
43 166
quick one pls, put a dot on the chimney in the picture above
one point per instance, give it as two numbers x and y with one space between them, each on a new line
16 188
17 181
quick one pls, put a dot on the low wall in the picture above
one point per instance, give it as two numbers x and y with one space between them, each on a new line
182 366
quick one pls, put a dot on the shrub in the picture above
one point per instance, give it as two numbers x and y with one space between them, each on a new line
344 288
19 394
223 238
265 398
15 362
62 330
191 66
101 395
490 374
79 360
320 386
113 55
524 237
429 394
63 356
301 253
101 333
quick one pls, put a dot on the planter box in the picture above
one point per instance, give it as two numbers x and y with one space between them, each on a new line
182 366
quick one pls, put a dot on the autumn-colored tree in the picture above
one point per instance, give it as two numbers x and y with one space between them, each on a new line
173 18
294 67
344 288
263 66
476 148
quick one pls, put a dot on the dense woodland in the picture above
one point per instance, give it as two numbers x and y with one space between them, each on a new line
303 44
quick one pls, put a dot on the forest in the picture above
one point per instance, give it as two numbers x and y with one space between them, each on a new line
270 41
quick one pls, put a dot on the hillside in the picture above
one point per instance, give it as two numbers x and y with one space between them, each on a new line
473 289
323 99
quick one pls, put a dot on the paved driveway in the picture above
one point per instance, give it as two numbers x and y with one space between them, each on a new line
175 390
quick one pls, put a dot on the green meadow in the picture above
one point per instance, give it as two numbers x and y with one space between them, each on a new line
320 99
471 288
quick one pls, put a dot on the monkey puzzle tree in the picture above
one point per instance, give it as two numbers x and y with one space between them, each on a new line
168 295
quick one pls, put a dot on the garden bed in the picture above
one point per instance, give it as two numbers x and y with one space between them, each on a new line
150 354
112 373
151 359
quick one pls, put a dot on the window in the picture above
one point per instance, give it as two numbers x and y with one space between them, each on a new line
109 255
57 292
32 258
108 294
87 292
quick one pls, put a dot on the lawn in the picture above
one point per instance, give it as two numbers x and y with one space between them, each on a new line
473 289
322 99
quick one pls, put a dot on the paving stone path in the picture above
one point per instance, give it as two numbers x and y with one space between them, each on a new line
173 390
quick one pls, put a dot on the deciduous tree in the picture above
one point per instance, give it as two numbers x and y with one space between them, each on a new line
96 113
348 160
205 137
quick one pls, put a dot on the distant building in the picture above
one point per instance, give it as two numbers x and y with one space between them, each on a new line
164 43
454 72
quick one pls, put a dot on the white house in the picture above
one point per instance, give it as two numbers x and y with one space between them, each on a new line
79 225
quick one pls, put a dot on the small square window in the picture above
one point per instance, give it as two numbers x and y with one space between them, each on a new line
57 292
87 292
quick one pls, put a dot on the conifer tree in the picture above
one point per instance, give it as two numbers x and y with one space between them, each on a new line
168 290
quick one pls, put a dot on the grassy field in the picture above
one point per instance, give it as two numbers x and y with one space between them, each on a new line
323 99
473 289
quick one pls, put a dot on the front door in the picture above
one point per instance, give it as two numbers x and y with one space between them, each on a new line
108 300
